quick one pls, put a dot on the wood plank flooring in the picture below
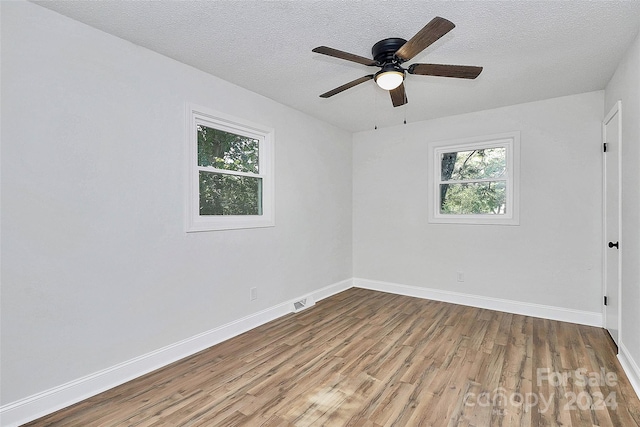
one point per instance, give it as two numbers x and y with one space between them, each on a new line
370 359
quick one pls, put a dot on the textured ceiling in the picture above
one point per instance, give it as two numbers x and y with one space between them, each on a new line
530 50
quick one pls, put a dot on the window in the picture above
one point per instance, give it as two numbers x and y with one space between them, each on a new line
475 180
230 172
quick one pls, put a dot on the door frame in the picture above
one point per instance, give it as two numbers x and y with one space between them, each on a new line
616 109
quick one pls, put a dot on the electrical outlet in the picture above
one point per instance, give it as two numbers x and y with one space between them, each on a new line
253 294
460 276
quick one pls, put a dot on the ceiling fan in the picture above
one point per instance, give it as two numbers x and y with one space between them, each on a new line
390 53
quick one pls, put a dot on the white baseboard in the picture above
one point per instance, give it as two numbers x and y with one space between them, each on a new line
336 288
630 367
46 402
509 306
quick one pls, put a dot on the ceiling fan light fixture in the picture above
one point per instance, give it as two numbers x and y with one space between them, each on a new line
389 54
390 77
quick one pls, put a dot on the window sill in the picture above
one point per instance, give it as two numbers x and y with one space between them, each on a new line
473 220
229 223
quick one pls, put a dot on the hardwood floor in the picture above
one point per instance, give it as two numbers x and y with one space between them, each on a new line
367 359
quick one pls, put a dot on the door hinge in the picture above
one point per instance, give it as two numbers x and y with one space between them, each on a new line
605 300
604 147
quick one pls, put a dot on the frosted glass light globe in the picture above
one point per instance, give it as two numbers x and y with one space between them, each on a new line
389 80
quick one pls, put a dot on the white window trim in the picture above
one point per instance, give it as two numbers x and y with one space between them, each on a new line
265 135
509 140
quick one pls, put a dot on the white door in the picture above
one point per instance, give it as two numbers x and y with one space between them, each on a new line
612 127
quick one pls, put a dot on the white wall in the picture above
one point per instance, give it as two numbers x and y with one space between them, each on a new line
96 266
625 86
552 258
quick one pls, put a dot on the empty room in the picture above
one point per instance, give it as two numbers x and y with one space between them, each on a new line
320 213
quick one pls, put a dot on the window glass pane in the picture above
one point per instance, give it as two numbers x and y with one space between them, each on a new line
222 194
479 198
474 164
225 150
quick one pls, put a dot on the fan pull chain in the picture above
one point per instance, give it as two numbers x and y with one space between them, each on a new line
405 106
375 110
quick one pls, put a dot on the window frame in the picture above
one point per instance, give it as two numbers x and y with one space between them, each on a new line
511 142
198 115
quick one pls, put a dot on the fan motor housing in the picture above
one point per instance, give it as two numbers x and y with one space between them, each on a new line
384 51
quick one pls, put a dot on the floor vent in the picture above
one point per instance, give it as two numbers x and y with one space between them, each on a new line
303 303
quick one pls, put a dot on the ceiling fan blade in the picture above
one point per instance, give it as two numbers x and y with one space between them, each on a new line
344 55
346 86
398 96
431 32
458 71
